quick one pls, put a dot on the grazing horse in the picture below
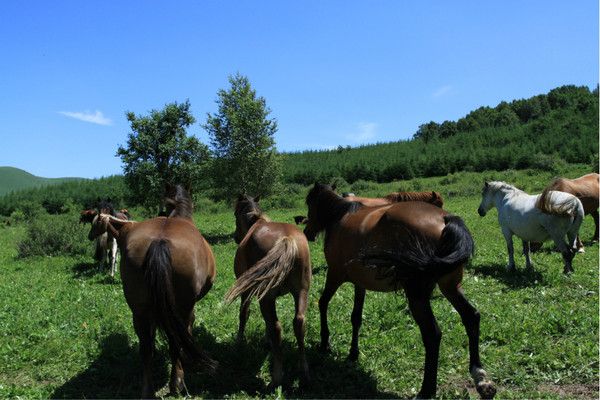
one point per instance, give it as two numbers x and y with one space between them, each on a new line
534 218
428 197
166 267
106 244
272 259
409 245
587 190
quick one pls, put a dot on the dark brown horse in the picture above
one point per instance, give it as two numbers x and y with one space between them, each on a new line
587 190
396 197
166 267
409 245
272 259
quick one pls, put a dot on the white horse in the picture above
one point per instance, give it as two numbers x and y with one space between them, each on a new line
106 250
534 218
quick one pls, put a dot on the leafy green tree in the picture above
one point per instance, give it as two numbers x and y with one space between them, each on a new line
427 132
242 143
159 153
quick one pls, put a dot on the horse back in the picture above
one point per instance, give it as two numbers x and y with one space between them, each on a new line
262 237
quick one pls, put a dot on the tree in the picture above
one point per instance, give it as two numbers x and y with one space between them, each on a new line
428 131
241 137
160 153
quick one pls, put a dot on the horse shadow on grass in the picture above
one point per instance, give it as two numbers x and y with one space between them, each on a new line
86 270
116 372
241 364
220 238
520 277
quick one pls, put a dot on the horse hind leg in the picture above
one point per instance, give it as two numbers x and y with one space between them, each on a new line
451 289
145 328
177 379
359 302
596 217
273 328
301 299
420 307
526 253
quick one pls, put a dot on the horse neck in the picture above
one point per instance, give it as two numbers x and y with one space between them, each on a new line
335 207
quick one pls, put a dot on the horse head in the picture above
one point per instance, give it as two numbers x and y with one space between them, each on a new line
247 212
99 226
486 200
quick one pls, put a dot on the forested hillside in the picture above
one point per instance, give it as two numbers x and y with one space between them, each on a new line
539 132
12 179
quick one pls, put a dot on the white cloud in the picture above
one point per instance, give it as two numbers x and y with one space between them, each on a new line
442 91
87 116
365 132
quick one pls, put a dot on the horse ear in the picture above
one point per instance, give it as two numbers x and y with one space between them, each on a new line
333 187
257 198
487 184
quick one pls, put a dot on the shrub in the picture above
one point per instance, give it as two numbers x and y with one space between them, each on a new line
53 235
361 186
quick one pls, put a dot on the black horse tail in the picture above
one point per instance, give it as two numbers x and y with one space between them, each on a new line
268 273
422 258
159 280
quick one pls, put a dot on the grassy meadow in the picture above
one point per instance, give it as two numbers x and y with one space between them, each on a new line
66 331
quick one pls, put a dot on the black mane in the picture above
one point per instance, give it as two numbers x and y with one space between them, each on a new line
330 206
179 203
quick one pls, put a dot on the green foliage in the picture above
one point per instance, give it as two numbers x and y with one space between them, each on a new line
241 136
53 235
159 153
562 125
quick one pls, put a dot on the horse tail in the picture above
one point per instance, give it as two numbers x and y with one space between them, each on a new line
159 281
547 204
268 273
422 257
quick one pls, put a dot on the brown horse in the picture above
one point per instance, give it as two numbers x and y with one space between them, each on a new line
413 245
272 259
587 190
166 267
396 197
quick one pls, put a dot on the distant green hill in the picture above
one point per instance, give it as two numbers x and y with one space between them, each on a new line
12 179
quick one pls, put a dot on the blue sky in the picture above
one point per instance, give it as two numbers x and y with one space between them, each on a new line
333 72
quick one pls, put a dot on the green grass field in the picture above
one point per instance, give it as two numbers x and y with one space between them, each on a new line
66 331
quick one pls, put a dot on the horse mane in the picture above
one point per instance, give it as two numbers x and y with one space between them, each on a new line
427 197
330 206
107 205
246 205
499 185
179 203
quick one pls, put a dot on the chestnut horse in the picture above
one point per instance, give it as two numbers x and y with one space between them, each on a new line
410 245
272 259
166 267
396 197
587 190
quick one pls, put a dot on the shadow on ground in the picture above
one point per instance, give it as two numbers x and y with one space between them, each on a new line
220 238
116 372
518 278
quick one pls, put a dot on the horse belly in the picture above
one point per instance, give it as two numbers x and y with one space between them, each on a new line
369 278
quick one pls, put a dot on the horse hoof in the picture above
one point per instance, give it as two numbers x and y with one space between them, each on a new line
353 356
324 348
486 389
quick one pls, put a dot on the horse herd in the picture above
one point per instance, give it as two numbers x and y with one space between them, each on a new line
402 241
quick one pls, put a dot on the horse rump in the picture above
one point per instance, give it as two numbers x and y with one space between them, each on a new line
268 273
159 281
422 257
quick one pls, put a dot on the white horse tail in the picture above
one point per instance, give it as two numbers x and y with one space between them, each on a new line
558 203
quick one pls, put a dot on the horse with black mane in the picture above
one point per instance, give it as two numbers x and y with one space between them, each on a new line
409 245
272 259
396 197
166 267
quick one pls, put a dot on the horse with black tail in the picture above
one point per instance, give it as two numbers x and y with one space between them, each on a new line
409 245
166 267
272 259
